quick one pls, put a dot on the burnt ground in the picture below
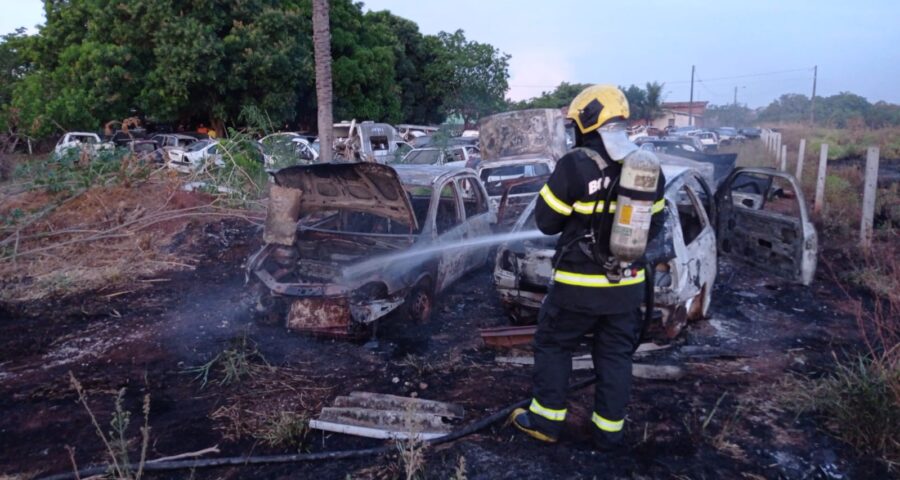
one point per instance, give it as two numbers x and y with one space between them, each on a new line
760 330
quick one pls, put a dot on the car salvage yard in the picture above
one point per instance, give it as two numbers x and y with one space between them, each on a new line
250 352
146 342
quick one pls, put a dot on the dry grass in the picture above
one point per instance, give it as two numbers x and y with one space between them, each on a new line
857 403
60 243
116 441
284 399
842 143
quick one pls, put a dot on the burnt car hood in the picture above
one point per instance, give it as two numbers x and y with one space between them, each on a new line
362 187
534 132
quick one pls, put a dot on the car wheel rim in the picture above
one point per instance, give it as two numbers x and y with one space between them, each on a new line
421 306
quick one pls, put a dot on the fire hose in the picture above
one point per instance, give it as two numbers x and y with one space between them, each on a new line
311 457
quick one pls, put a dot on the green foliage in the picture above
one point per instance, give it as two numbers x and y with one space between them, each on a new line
559 97
233 364
644 103
13 63
730 115
844 110
75 170
284 429
205 61
471 77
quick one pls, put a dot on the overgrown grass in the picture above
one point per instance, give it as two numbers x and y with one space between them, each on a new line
75 170
859 402
844 142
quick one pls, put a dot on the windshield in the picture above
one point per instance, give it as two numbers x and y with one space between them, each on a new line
84 138
427 156
197 146
497 179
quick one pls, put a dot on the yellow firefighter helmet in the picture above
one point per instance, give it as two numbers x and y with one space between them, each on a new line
597 105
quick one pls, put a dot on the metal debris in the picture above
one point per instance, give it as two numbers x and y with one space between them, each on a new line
375 415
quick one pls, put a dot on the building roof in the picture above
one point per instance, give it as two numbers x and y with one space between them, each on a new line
697 108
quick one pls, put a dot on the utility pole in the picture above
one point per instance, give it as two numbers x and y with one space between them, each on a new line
691 104
735 95
812 103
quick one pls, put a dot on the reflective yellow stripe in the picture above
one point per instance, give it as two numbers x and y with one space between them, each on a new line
556 204
582 280
548 413
607 425
587 208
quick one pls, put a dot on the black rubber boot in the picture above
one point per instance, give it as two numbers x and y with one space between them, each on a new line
522 420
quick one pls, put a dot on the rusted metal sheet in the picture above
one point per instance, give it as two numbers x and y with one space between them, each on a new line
508 336
282 215
377 415
381 401
320 315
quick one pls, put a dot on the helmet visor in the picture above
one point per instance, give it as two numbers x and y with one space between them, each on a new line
617 144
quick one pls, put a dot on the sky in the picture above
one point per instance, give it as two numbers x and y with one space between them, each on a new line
761 47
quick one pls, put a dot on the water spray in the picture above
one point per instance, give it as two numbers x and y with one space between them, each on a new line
424 253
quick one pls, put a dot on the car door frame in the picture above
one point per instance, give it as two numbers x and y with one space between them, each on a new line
478 224
804 255
451 262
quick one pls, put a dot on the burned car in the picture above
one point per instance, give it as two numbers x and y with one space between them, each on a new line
519 149
758 215
347 244
368 142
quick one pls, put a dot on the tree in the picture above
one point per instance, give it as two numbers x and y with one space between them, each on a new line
13 63
790 107
470 76
322 44
412 54
207 61
559 97
729 115
653 102
637 98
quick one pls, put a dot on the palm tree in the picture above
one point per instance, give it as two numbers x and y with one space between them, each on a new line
322 47
653 102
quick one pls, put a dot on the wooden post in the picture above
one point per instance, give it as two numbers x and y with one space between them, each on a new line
783 159
868 208
777 149
820 180
800 153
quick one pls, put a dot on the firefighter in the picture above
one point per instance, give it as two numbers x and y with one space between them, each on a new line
591 292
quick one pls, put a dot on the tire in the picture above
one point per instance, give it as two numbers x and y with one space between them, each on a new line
420 302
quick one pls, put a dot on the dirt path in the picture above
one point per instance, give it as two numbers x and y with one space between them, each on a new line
759 331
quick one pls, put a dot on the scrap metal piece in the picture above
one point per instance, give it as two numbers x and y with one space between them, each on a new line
320 315
282 215
508 336
393 402
375 415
